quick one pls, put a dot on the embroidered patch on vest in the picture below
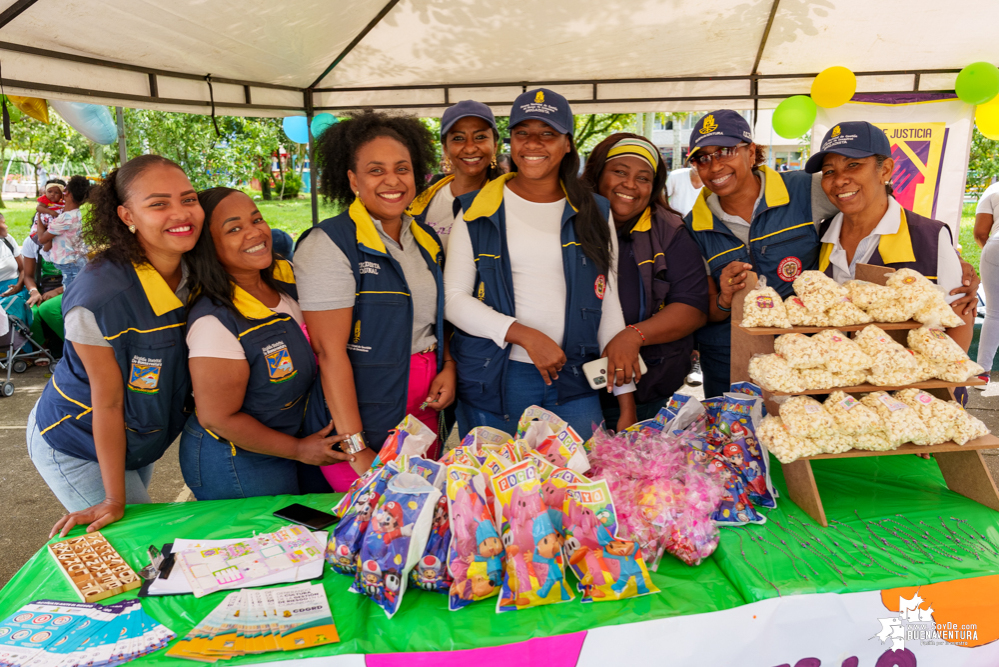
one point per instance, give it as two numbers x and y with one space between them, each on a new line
481 296
357 332
144 376
600 286
279 365
789 269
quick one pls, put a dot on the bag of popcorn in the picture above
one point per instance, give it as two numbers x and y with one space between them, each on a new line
852 417
818 291
763 307
842 355
844 313
799 351
912 290
805 417
771 372
872 442
786 447
900 422
968 427
959 371
935 344
848 379
888 356
865 295
936 415
926 369
816 378
799 315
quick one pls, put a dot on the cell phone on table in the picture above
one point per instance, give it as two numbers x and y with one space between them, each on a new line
596 372
306 516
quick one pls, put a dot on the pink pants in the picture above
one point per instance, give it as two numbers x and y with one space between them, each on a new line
422 371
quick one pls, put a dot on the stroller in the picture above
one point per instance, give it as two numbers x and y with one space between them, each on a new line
14 357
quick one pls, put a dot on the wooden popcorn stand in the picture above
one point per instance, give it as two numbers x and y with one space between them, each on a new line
962 466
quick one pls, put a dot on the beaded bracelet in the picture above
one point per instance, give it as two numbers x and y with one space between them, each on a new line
632 326
721 307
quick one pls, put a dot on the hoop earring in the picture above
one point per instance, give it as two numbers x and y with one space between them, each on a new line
448 167
131 228
494 163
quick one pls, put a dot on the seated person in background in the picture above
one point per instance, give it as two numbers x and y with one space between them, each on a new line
662 284
13 296
871 227
251 365
68 252
44 284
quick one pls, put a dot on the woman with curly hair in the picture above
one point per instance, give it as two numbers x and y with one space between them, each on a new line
661 279
370 285
531 282
251 365
116 400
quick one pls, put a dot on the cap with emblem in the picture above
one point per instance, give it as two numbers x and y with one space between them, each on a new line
720 128
855 138
544 105
464 109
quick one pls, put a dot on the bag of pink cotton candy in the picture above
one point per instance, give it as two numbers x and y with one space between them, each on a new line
604 563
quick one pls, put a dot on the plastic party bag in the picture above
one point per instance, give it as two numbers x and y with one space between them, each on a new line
959 371
888 357
395 540
345 542
553 489
475 559
535 569
935 344
485 435
735 507
817 378
411 437
763 307
799 351
431 573
432 471
738 421
605 564
553 438
968 427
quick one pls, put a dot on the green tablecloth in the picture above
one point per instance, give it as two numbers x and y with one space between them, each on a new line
876 487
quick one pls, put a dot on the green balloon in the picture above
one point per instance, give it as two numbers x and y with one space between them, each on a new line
977 83
323 121
794 116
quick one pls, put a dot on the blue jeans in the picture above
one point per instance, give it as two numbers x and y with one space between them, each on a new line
524 388
77 482
71 270
216 470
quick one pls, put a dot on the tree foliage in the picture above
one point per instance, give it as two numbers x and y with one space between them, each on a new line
983 165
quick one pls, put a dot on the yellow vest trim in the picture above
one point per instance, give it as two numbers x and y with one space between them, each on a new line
644 223
824 254
284 272
421 203
265 324
702 218
897 248
158 293
723 252
368 236
489 198
780 231
169 326
425 240
774 192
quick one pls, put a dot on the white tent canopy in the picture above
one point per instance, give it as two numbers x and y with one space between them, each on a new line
306 56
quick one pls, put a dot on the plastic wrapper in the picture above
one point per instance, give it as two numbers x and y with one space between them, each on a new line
535 569
786 447
344 545
432 471
411 437
897 378
608 566
763 307
896 309
901 424
553 489
485 435
475 559
936 311
848 379
553 438
818 291
935 344
872 442
937 416
845 313
912 285
816 378
888 357
735 508
968 427
866 295
737 421
799 351
395 540
804 417
773 373
926 368
799 315
959 371
430 572
852 417
841 354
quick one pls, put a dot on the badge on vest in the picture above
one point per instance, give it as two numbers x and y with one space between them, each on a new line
789 269
144 376
600 286
279 365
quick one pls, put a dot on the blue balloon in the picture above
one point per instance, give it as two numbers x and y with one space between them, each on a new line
91 120
297 129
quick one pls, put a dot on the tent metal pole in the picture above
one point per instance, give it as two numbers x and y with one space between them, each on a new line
122 149
313 177
14 11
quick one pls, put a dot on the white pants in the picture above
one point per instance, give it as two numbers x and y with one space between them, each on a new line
989 341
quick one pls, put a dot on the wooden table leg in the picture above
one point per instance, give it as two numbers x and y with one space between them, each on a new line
801 487
966 473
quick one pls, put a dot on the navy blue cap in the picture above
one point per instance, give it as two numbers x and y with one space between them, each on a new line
720 128
464 109
855 138
544 105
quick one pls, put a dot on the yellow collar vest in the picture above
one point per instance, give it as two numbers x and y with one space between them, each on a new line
774 194
250 306
490 197
421 203
369 238
894 248
161 298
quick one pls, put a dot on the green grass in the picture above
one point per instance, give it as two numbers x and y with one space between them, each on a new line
292 215
969 249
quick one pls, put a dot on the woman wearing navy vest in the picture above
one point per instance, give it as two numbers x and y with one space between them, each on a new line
116 400
468 139
661 280
370 284
252 367
871 227
531 284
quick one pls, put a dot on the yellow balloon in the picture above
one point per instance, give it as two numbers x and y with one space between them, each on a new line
987 118
33 106
833 87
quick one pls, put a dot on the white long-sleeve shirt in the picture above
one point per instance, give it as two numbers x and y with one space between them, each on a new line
533 234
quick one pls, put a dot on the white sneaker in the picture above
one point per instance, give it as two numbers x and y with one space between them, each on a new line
695 378
983 387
